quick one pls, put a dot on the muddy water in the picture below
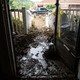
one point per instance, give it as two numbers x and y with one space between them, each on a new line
38 51
33 64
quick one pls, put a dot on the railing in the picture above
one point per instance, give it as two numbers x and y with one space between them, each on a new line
21 20
73 16
25 18
71 13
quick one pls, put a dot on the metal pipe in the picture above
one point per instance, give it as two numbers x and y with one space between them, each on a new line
56 22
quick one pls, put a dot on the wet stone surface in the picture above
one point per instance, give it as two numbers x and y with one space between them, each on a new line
34 65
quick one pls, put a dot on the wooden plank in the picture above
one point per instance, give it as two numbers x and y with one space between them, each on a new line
15 26
24 21
71 9
19 30
12 10
16 14
12 22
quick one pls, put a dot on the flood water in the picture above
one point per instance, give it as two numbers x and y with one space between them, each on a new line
34 65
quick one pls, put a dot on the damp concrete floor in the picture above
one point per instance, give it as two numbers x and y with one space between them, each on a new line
34 65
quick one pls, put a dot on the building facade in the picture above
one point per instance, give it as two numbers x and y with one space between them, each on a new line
63 3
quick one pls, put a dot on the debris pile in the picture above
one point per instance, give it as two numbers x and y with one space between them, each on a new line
21 42
33 64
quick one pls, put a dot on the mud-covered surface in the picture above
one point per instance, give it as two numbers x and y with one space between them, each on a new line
31 61
21 43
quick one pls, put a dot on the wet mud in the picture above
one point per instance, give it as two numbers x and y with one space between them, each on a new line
32 62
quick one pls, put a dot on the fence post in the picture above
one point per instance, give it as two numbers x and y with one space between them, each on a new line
12 23
24 20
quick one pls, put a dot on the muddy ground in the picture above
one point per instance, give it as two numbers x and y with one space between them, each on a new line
39 20
30 51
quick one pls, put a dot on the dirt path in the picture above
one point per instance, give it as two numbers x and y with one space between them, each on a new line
39 20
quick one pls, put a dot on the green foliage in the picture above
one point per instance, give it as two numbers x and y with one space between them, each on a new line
18 4
17 22
28 4
50 6
33 24
14 4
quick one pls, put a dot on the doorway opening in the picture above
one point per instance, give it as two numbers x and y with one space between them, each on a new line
33 36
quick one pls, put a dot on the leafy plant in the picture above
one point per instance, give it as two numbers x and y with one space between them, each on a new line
33 24
17 24
50 6
18 4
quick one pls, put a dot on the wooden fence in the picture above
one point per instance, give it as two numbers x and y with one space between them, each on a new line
72 14
21 20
